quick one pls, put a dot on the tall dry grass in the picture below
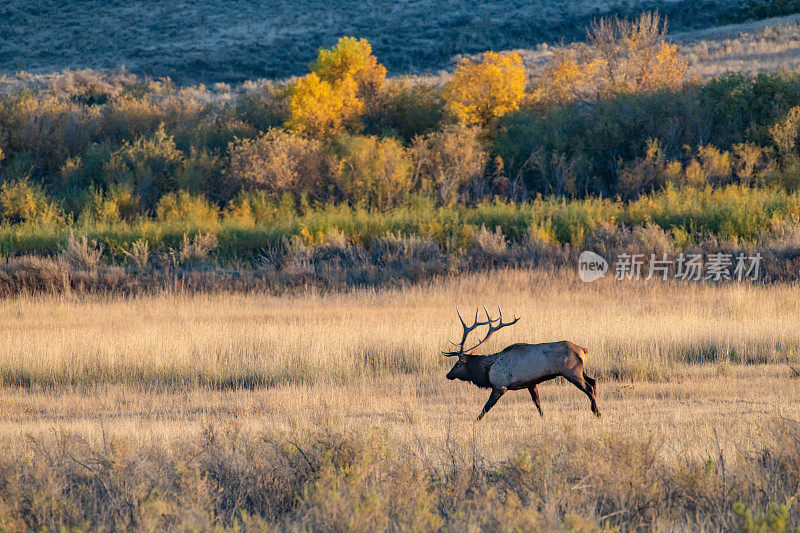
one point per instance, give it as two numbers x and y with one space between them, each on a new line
634 331
329 411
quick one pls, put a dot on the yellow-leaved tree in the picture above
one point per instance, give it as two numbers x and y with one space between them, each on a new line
318 108
480 92
335 93
351 58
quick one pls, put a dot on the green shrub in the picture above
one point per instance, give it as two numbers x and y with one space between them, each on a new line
280 162
88 169
202 173
214 132
589 145
250 208
372 172
644 174
405 110
116 203
744 108
446 161
185 209
21 201
579 150
149 164
264 106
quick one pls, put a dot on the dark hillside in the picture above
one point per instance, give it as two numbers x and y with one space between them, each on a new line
209 41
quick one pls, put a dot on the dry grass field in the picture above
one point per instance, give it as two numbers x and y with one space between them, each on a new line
312 402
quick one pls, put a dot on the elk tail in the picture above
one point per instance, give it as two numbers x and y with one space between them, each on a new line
583 353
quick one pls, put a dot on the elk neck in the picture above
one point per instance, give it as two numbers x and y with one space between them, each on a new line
479 366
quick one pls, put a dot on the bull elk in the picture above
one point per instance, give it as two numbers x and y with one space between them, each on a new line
519 366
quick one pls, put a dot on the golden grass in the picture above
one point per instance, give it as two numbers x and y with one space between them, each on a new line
165 365
110 407
688 417
632 330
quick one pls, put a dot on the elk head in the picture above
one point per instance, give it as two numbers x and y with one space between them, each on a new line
469 367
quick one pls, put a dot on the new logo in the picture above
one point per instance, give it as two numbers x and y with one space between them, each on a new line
591 266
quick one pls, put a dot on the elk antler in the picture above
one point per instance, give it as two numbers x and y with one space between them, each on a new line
476 324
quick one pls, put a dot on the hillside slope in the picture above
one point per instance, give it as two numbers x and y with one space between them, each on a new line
207 41
749 47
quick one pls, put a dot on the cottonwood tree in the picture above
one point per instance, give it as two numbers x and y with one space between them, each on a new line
336 93
480 92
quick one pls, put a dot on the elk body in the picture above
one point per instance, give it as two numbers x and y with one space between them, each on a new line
519 366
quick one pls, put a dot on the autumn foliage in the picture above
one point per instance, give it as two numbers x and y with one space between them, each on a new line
319 108
480 92
351 59
610 118
333 95
620 56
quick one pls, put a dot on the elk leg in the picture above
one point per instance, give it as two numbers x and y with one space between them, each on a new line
535 396
493 397
587 387
591 383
